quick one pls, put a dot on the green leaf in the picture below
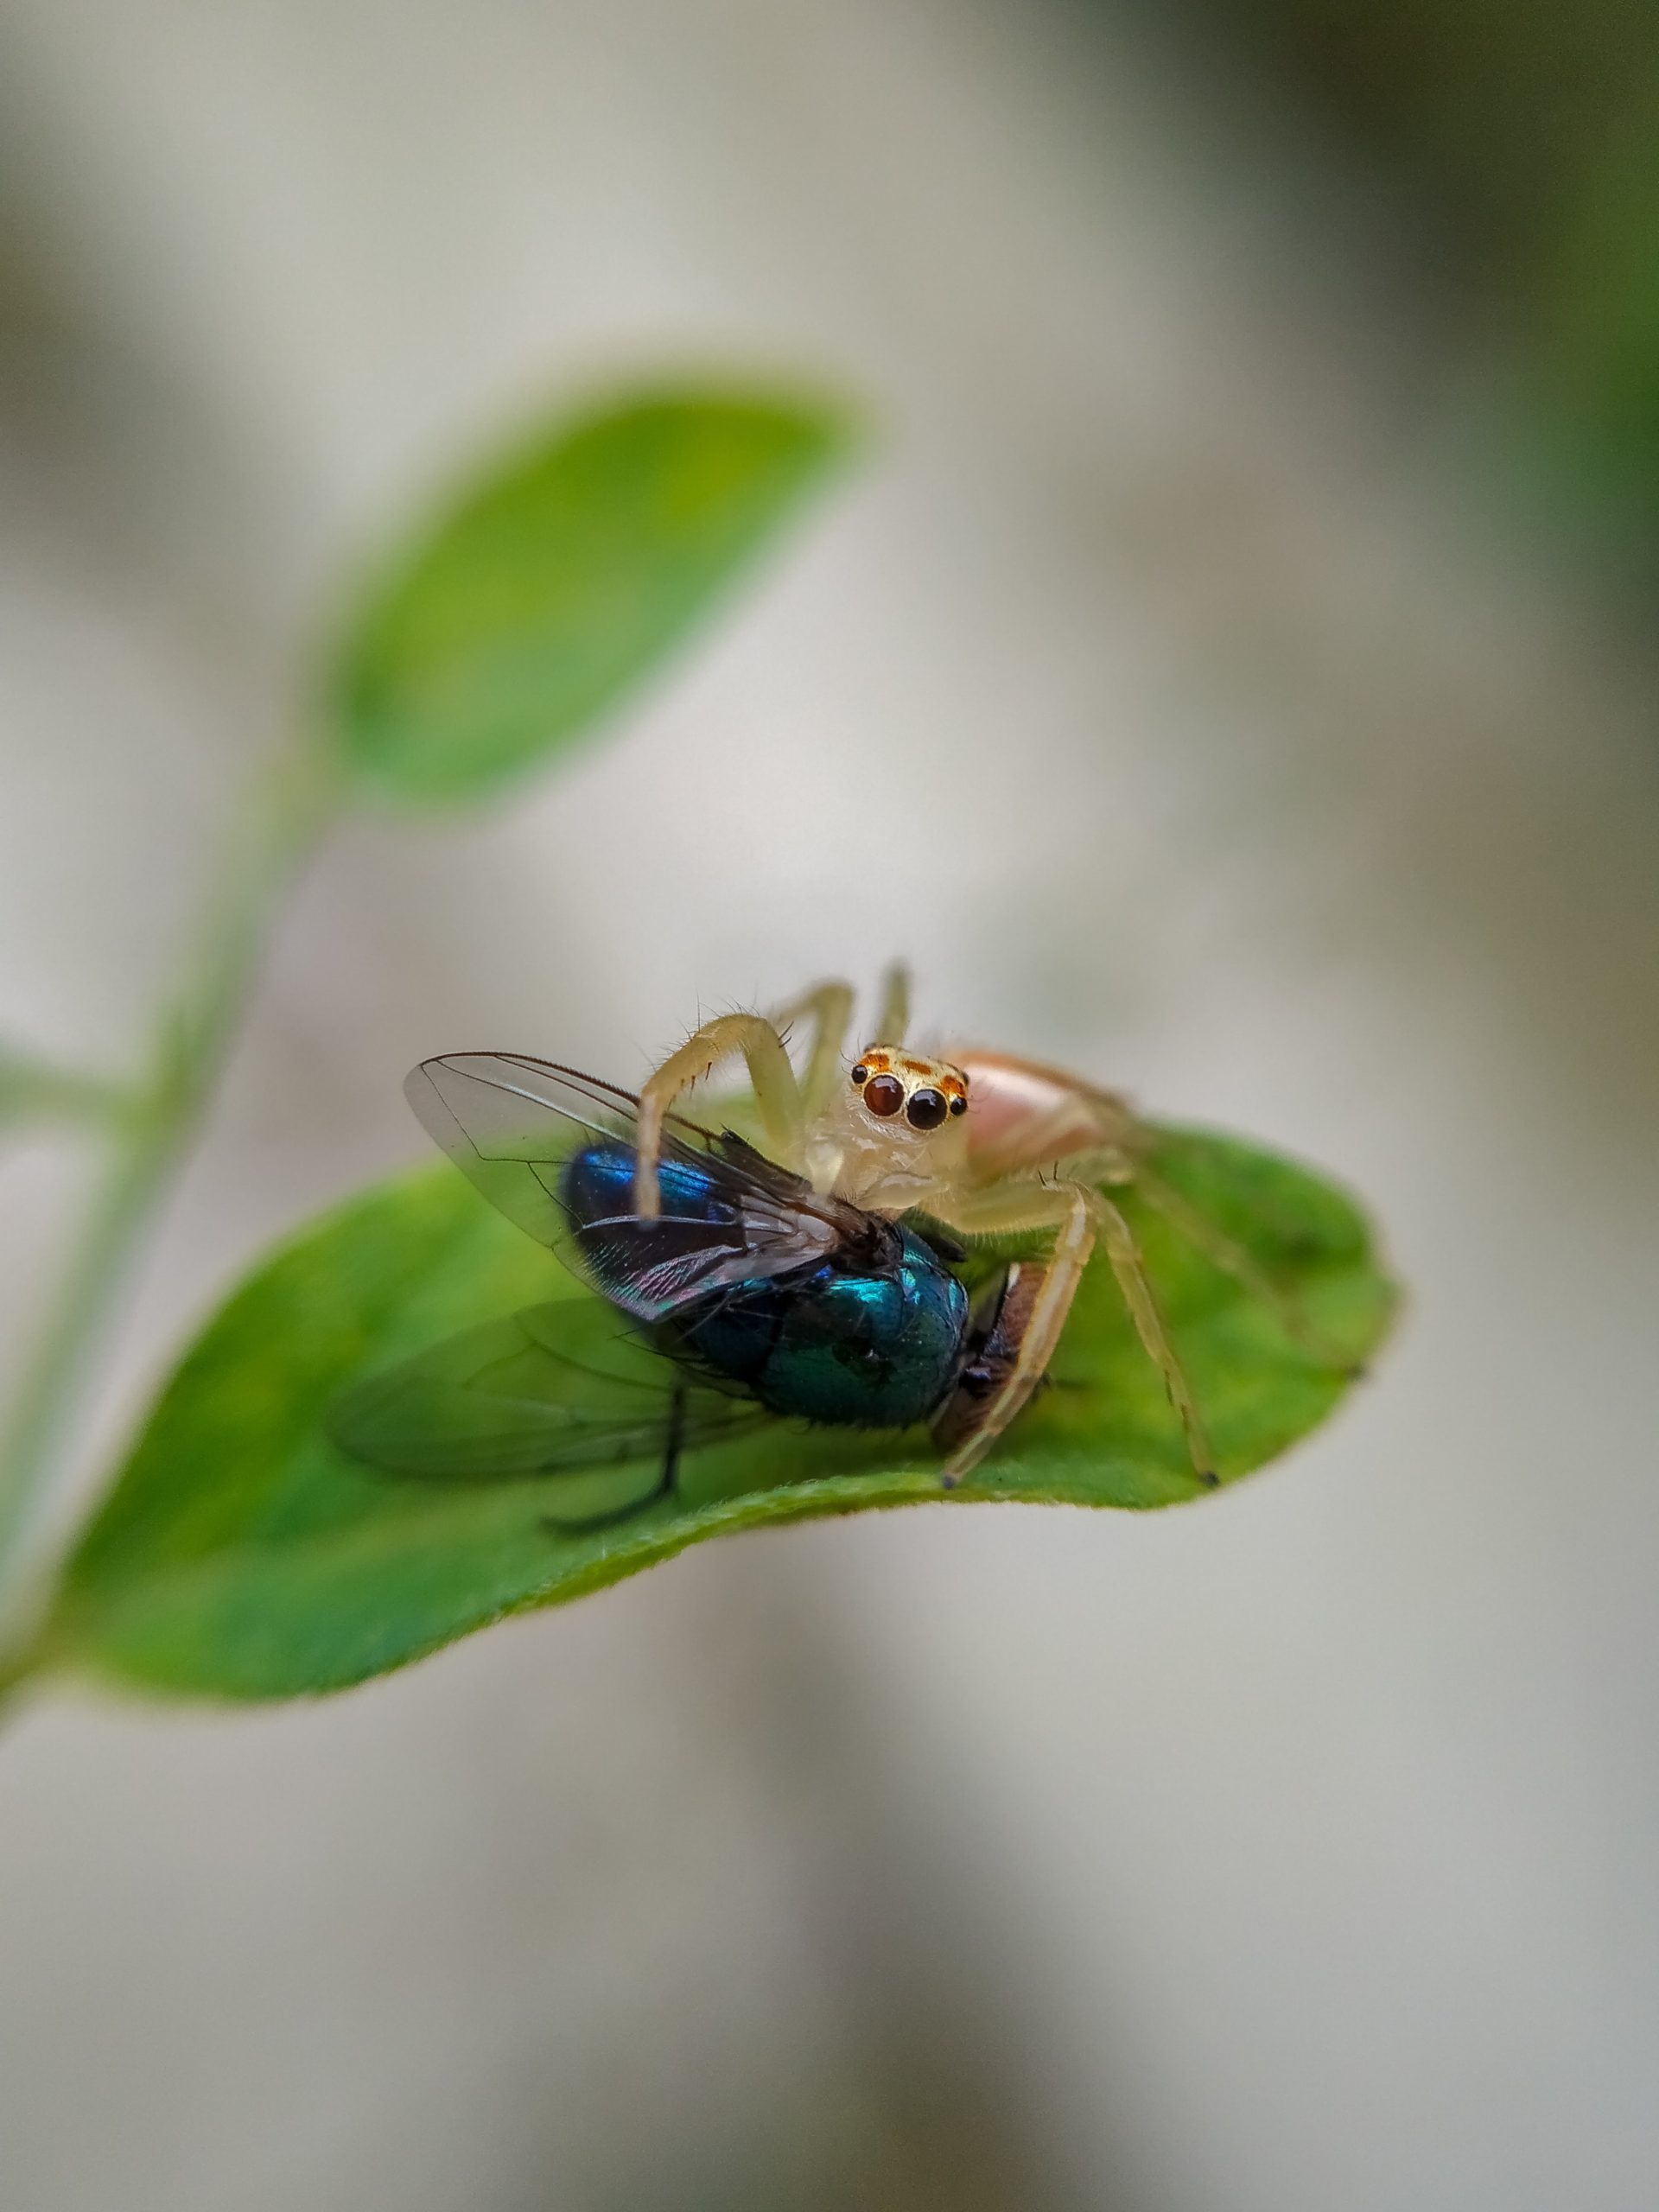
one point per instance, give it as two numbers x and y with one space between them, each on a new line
242 1555
557 583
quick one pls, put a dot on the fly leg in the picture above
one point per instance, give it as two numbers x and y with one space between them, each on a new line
777 1093
673 1443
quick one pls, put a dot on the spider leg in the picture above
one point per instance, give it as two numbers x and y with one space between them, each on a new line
828 1007
892 1019
777 1093
1222 1251
1030 1117
1080 1215
1125 1257
1067 1209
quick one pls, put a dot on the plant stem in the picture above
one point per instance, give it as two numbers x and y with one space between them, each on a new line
30 1092
292 808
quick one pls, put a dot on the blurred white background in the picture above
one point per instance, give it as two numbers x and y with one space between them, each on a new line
1158 689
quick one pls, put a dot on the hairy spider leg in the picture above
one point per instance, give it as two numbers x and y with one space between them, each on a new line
777 1095
1079 1215
828 1007
786 1102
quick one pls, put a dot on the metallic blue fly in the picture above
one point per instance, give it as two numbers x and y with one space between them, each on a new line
748 1295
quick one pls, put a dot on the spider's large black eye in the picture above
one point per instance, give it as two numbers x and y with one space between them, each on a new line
884 1095
926 1110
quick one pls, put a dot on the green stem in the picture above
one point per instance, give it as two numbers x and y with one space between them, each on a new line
32 1092
293 808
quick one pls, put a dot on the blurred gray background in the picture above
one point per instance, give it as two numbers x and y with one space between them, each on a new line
1171 688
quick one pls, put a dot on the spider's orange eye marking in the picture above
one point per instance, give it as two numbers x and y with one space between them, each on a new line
927 1108
884 1095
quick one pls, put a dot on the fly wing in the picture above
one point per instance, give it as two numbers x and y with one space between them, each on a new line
555 1390
512 1124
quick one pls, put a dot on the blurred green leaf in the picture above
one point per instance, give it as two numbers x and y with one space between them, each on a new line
562 578
242 1555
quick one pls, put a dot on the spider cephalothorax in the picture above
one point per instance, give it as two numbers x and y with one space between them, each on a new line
891 1132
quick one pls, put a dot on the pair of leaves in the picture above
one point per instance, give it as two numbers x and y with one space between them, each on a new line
242 1555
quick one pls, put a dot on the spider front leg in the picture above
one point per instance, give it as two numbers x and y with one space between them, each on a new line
1080 1215
893 1014
786 1102
829 1007
777 1095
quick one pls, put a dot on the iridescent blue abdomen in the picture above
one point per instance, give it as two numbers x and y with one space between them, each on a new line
869 1335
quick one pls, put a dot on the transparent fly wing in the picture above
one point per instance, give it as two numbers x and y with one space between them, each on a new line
510 1123
514 1125
559 1389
